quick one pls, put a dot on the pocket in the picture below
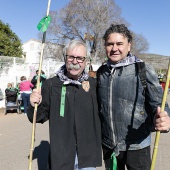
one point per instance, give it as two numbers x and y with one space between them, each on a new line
134 114
135 122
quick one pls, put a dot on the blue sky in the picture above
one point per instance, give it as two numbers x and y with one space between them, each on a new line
151 18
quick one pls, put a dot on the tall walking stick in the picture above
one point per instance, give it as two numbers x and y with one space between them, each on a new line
162 109
43 25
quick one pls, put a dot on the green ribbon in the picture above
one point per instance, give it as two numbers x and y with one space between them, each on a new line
113 162
62 103
44 23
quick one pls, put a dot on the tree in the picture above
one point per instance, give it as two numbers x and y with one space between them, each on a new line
86 20
10 45
140 44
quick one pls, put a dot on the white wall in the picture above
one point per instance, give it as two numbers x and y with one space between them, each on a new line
32 50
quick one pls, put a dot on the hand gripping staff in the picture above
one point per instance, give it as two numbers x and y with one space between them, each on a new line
162 109
43 25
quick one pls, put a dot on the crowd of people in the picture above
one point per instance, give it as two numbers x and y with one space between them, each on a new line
113 112
21 93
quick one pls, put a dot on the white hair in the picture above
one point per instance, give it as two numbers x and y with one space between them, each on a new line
75 43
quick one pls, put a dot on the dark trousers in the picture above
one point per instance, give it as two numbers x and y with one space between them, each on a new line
132 159
26 101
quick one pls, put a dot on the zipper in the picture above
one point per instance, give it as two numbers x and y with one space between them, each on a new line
113 71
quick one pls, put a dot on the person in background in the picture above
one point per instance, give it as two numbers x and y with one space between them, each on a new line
129 109
163 83
42 78
17 87
25 91
69 102
11 95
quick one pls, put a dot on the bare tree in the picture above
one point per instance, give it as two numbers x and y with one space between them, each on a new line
139 45
86 20
54 50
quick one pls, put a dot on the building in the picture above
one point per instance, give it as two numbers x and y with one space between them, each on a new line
32 52
16 67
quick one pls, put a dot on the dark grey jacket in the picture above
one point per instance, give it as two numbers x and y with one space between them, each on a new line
126 113
78 131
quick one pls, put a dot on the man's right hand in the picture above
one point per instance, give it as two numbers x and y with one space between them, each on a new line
35 97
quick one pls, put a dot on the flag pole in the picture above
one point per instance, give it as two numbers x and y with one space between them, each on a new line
38 87
162 109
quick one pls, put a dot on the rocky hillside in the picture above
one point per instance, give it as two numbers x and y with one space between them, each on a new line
157 61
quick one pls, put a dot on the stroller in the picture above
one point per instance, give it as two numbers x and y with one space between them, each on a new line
11 101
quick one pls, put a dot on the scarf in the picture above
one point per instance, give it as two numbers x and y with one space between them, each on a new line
61 74
130 59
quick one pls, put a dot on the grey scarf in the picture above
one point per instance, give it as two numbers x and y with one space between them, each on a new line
61 74
130 59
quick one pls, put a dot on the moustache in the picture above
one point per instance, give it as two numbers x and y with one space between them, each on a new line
72 66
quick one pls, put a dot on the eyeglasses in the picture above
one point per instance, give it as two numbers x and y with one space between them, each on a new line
79 59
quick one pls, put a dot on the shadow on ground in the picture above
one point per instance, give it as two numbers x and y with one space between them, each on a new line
41 153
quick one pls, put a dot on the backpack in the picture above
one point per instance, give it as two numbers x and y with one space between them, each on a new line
141 70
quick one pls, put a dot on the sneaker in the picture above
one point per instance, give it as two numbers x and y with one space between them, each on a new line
25 114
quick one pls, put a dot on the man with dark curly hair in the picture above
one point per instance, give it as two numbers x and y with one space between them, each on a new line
130 97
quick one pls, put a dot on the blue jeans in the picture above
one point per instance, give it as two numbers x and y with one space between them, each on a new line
76 166
26 100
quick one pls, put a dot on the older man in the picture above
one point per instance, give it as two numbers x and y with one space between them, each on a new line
68 101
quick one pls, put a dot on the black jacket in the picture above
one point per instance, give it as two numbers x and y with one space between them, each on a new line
11 94
78 131
34 80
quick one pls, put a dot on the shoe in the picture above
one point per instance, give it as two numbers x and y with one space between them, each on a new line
25 114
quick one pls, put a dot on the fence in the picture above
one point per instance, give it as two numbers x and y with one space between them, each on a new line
12 68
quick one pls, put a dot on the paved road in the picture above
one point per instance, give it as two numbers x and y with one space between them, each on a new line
15 140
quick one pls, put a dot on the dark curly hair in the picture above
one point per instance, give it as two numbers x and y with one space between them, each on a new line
120 28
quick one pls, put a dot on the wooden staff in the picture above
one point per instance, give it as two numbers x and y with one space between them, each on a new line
38 87
162 109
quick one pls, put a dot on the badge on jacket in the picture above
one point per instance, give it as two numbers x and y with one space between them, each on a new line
86 85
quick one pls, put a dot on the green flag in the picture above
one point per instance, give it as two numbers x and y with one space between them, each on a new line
44 23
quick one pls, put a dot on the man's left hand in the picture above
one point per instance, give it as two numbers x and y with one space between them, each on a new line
161 120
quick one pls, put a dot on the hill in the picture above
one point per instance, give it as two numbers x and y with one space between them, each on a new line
157 61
